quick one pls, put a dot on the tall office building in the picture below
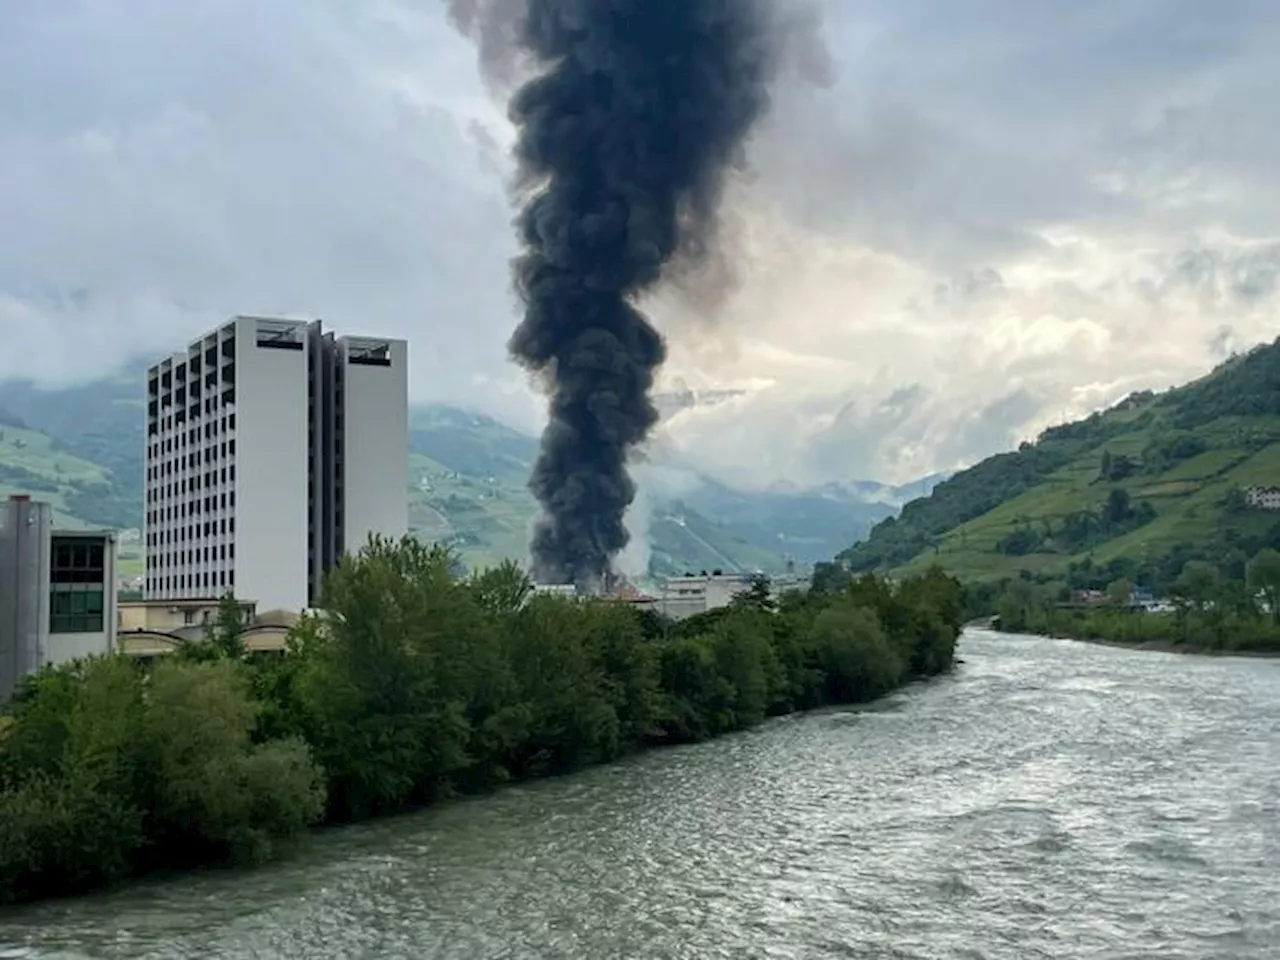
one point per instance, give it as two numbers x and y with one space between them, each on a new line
272 448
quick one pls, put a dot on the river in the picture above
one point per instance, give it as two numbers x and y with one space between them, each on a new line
1050 799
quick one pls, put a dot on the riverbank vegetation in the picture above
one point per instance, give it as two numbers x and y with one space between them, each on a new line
1212 610
416 686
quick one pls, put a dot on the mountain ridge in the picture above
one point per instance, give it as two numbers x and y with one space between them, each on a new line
1133 491
81 447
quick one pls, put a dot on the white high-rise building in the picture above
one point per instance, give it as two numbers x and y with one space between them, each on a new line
272 448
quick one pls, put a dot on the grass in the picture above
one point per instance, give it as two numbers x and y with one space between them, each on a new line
1188 499
31 463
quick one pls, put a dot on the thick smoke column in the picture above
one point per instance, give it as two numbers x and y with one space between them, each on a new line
643 107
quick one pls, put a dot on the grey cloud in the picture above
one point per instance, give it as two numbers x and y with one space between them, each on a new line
192 159
957 131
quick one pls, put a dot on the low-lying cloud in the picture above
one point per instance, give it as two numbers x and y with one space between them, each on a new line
982 219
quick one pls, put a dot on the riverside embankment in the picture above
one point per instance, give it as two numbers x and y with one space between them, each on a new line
1048 799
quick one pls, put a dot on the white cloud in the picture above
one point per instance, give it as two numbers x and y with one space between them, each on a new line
997 216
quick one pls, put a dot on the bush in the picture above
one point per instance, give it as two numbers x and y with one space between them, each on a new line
108 771
414 686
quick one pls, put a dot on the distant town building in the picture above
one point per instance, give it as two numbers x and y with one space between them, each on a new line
1262 498
57 592
688 596
272 449
563 590
150 629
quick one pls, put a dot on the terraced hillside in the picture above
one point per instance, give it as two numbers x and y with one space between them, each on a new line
1134 491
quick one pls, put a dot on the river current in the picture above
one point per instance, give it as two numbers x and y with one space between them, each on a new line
1050 799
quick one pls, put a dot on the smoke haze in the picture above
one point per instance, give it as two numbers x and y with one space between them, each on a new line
623 145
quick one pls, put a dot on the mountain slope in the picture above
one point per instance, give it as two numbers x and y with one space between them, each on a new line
1133 491
81 448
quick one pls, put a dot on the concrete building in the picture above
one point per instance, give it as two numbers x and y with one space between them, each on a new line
688 596
1262 498
158 628
57 592
183 619
272 448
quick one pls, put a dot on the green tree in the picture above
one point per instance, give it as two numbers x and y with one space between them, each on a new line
226 631
1198 584
1264 577
413 684
855 654
1120 592
213 793
1119 507
502 589
759 595
387 694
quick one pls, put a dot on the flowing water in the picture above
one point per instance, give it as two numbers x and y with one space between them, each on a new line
1050 799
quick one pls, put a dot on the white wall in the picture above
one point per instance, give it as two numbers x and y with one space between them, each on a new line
376 449
65 647
271 516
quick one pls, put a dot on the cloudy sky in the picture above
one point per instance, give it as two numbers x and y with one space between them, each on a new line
996 214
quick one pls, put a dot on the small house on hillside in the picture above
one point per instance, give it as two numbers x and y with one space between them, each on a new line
1262 498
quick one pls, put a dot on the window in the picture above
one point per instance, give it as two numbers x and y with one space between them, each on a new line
77 560
73 610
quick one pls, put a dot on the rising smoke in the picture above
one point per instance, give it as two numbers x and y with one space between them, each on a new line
624 140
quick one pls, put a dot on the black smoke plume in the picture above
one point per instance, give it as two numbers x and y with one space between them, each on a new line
625 137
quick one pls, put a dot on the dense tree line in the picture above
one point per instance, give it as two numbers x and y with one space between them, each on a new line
1244 386
416 685
1212 610
1080 529
1229 550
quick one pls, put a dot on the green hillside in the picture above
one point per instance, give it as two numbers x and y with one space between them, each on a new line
81 449
1133 491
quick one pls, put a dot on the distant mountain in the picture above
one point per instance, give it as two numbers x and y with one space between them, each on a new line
809 525
82 449
1133 492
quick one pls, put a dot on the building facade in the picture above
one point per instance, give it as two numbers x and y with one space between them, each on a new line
57 592
272 448
688 596
1262 498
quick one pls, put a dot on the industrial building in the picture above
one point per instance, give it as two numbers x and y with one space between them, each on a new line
57 592
272 448
690 595
687 596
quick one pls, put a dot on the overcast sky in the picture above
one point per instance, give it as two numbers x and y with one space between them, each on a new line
998 214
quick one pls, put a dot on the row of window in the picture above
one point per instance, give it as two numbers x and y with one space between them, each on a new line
158 422
192 436
191 532
181 511
191 392
210 478
170 465
202 351
222 580
173 558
